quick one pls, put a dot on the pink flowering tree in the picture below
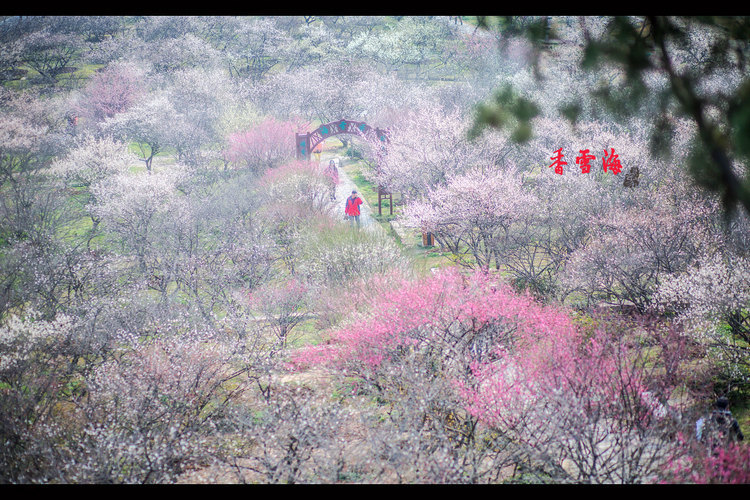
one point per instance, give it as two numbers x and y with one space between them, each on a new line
444 312
566 403
265 145
587 408
729 465
405 343
112 90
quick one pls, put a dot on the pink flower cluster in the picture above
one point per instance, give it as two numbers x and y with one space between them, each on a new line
262 146
730 465
443 306
540 359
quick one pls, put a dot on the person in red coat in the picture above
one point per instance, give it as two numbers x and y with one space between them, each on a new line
352 208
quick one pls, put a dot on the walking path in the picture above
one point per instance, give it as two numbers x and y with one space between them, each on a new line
343 190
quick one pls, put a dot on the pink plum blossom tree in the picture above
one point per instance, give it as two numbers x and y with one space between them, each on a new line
728 466
580 407
112 90
266 145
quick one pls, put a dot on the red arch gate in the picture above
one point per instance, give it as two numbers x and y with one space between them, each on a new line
306 142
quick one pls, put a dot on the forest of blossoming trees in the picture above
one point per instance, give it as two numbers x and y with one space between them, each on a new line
181 301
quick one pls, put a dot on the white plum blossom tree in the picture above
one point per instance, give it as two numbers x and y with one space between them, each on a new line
474 214
128 205
152 124
711 298
93 159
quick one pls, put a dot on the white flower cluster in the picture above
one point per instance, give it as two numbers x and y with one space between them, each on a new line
713 288
93 159
21 336
338 257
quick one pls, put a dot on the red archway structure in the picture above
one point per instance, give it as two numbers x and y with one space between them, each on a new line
307 142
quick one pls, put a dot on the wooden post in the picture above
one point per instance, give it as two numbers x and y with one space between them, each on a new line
384 195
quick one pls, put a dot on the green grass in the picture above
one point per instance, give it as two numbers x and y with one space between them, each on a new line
427 258
81 75
305 333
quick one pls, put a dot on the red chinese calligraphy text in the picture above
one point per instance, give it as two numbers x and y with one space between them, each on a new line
583 161
558 161
612 163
